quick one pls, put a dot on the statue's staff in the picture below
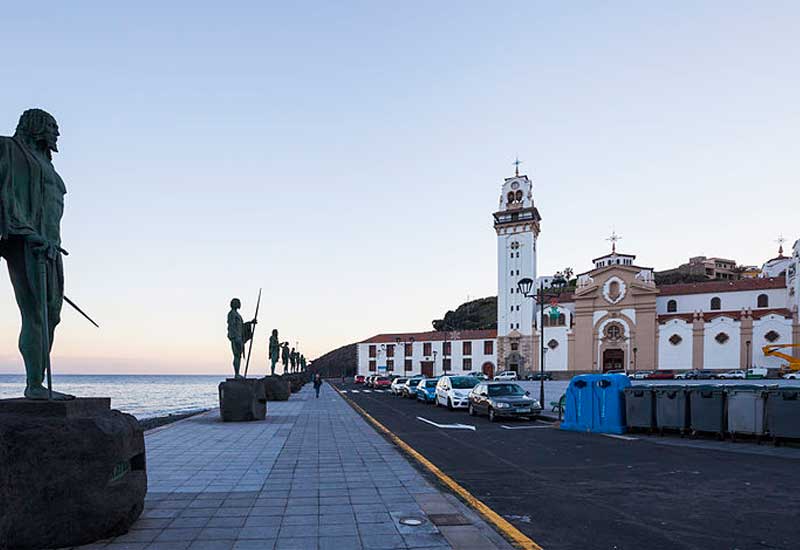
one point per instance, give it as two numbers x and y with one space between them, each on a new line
252 335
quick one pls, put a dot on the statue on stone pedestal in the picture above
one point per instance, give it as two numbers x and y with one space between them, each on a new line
31 207
239 333
274 349
302 362
285 356
293 359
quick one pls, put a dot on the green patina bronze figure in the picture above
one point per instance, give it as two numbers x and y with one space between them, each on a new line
293 360
239 333
274 350
31 207
285 356
302 362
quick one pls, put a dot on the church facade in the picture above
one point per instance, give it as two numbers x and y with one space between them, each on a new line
615 318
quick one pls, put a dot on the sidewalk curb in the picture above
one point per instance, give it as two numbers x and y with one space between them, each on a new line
514 535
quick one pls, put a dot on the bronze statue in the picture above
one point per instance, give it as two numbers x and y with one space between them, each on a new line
293 359
285 356
274 349
31 207
239 333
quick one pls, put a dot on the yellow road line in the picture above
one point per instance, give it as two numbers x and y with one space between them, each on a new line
512 533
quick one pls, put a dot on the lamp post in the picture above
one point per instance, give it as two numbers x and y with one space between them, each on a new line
525 286
747 357
634 359
434 362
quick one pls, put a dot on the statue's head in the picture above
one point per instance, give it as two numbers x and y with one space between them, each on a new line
275 332
236 303
38 127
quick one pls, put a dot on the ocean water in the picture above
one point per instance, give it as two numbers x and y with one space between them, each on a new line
144 396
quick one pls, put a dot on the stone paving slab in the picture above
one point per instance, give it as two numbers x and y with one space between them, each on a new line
313 475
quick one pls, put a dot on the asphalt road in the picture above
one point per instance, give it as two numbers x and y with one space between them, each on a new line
577 491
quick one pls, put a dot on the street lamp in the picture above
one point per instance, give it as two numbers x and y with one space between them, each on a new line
525 286
747 357
634 359
434 362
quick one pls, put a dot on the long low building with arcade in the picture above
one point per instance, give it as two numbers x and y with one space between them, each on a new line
617 317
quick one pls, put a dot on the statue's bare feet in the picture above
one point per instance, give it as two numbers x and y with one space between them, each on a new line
40 393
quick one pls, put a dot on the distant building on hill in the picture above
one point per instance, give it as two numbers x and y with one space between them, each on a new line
718 269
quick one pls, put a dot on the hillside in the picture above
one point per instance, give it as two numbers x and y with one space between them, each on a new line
337 362
475 315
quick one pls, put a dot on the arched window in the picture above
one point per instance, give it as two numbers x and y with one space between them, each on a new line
510 197
546 321
763 300
672 306
518 195
716 303
562 319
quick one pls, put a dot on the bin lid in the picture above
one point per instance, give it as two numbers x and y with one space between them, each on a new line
747 387
781 389
668 387
705 387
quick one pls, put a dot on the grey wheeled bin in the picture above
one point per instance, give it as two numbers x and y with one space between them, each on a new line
746 407
640 407
672 408
707 409
783 412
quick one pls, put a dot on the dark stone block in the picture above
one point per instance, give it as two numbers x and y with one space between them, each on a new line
71 473
277 388
242 400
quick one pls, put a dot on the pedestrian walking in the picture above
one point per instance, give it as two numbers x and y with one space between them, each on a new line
317 383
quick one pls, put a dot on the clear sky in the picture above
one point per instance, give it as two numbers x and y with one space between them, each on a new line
347 156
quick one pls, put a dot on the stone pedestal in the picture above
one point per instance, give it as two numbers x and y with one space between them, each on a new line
71 472
242 399
278 388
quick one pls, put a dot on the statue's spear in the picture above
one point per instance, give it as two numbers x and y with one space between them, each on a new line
252 335
73 304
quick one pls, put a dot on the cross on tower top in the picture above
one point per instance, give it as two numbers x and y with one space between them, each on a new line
780 242
516 164
614 238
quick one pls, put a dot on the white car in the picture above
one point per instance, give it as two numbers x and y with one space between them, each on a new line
479 375
397 383
453 391
792 375
642 374
505 376
732 375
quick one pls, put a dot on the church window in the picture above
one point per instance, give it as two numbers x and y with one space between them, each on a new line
512 308
518 195
562 319
675 339
672 306
510 197
546 321
721 338
771 336
763 300
614 332
514 346
716 303
552 344
517 308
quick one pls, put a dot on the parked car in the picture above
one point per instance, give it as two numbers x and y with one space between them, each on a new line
359 379
539 376
732 375
641 374
476 374
792 375
506 375
426 390
499 399
381 382
661 374
685 375
756 372
409 389
453 391
396 386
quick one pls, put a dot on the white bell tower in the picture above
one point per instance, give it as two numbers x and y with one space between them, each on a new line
517 226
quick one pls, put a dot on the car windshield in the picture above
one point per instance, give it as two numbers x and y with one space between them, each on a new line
430 383
499 390
463 382
401 380
383 378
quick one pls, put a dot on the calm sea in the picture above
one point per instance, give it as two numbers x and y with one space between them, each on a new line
143 396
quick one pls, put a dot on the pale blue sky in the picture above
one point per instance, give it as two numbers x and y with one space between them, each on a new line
347 157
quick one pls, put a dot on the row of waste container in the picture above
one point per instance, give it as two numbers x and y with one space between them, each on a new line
608 403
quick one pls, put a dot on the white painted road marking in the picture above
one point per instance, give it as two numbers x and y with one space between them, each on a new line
367 391
524 427
353 391
448 426
623 437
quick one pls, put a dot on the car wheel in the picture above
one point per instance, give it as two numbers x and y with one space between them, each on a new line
492 416
471 410
449 404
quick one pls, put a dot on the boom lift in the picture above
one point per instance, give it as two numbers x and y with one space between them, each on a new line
792 363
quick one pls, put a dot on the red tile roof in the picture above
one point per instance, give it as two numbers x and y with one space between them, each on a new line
722 286
733 314
431 336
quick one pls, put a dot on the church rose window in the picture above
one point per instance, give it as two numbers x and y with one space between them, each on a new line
552 344
771 336
672 306
722 338
614 332
763 300
675 339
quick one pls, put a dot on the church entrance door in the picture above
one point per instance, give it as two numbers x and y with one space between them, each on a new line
427 368
488 370
613 359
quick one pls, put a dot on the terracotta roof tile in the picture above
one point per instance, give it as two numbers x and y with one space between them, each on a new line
734 314
431 336
722 286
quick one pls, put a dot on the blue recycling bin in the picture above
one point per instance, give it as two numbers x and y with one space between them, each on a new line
578 403
608 411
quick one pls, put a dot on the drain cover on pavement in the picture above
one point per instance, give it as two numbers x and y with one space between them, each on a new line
448 519
413 522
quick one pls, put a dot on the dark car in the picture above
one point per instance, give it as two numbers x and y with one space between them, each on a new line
661 374
539 376
409 389
705 375
497 399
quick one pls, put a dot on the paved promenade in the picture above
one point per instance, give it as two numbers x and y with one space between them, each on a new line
314 475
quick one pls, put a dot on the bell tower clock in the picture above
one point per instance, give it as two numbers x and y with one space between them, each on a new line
516 223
